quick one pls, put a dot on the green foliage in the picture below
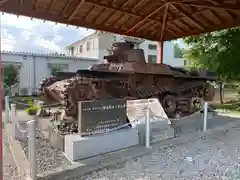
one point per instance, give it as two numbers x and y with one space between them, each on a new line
10 75
30 102
218 51
55 70
31 111
178 52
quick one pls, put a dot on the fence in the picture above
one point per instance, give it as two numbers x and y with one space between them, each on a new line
22 130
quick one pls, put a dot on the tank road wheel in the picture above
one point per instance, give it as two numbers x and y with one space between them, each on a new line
78 90
169 104
208 92
197 104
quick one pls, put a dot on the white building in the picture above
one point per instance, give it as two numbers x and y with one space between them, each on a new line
96 45
35 67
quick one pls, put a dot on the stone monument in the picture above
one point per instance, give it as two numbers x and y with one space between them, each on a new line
101 116
102 127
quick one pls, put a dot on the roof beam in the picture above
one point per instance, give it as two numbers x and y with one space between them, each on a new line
129 12
164 21
35 4
73 14
109 6
51 5
220 5
227 24
65 8
145 18
138 4
74 22
3 1
188 15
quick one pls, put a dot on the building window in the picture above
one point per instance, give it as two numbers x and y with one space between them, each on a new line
152 47
88 45
152 59
80 48
60 67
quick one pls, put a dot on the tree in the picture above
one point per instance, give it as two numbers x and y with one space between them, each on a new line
178 52
55 69
10 75
217 51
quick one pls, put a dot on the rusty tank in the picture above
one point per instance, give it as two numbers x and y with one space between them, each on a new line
125 74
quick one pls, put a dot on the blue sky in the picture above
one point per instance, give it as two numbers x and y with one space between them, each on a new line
26 35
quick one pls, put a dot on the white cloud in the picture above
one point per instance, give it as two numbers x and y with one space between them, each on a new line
51 45
58 38
23 34
26 34
8 41
18 22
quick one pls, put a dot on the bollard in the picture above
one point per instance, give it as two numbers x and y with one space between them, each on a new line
147 122
13 117
32 148
205 116
13 112
6 117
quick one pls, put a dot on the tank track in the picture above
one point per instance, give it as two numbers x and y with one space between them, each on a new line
182 102
77 89
46 82
81 88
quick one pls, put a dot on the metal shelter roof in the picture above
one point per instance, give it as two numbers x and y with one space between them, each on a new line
155 20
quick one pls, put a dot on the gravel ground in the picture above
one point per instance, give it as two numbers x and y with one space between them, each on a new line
9 169
215 158
48 158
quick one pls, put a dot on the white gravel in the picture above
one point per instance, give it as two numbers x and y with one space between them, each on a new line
9 166
215 158
48 157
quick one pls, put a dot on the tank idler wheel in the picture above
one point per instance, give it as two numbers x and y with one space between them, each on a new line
79 92
208 92
169 104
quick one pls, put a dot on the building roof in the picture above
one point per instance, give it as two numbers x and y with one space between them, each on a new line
148 19
48 55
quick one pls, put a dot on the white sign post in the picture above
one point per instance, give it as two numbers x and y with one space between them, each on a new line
147 121
32 148
205 116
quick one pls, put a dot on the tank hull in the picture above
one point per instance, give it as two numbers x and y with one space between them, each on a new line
179 95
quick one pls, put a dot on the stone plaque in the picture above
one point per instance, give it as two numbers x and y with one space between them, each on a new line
101 116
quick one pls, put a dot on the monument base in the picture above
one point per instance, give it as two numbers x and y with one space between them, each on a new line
77 147
159 130
56 140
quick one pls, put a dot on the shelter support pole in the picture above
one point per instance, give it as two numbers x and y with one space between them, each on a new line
1 117
160 52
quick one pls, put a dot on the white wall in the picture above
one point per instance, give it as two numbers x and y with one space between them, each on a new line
94 49
34 67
